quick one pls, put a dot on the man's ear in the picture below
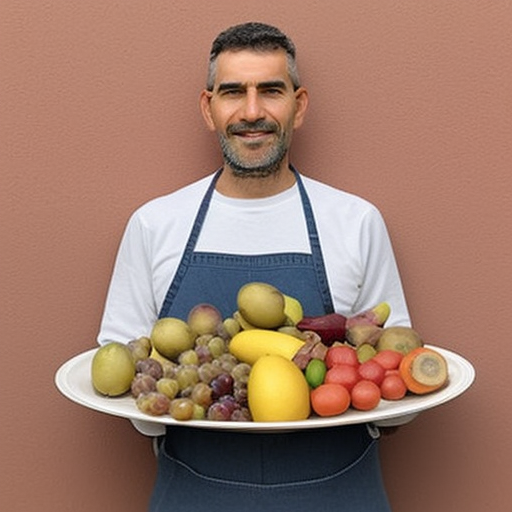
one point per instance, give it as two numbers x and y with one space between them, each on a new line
204 105
301 106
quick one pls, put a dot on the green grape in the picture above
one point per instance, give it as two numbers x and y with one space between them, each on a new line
168 387
199 412
188 357
203 340
208 371
241 372
153 403
202 394
217 346
181 409
187 376
226 362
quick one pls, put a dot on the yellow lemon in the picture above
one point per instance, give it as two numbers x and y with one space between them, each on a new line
277 390
112 369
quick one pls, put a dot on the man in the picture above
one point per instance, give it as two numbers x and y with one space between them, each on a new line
256 219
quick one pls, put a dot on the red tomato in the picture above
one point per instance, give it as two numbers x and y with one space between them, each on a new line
372 370
393 387
344 374
330 399
388 359
341 354
365 395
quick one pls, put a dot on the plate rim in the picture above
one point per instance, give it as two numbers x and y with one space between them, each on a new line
388 410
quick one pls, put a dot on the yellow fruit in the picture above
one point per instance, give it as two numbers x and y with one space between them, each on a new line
277 390
242 322
112 369
262 305
293 309
249 346
154 354
171 336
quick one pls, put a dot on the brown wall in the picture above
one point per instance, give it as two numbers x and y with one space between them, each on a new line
411 108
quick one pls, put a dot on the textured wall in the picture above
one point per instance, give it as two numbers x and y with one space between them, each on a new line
411 108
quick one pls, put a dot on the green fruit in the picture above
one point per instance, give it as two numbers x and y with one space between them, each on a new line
112 369
262 305
315 372
171 336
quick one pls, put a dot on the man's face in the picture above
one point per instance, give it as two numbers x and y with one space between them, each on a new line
254 110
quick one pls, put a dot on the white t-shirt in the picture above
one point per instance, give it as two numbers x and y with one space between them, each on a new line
357 252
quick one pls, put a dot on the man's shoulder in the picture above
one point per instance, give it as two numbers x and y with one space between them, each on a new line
182 200
321 193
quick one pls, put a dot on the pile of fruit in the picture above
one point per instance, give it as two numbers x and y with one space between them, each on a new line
268 362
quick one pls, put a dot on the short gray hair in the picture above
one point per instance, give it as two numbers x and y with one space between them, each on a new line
252 36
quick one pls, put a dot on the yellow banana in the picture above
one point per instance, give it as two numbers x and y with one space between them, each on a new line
248 346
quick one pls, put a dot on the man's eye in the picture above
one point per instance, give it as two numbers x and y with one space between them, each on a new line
232 92
272 91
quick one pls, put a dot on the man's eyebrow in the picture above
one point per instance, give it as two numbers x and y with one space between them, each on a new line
227 86
271 84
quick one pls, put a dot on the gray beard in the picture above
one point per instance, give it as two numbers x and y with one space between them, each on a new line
266 166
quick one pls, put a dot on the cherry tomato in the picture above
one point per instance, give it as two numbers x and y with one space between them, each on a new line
393 387
365 395
388 359
344 374
372 370
341 354
330 399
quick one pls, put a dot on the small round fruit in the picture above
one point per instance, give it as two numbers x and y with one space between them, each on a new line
393 387
112 369
181 409
344 374
371 370
153 403
389 359
365 395
330 399
141 348
262 305
315 372
168 387
171 336
341 354
204 319
277 390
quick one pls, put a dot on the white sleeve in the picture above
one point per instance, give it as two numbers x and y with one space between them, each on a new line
382 282
381 279
130 309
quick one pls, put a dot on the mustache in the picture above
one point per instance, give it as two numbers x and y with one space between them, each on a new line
256 126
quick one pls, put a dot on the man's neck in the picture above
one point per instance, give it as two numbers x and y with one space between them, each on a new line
254 188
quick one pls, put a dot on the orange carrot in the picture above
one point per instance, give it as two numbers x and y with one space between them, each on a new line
423 370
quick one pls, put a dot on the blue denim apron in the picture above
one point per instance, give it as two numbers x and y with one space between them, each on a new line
203 470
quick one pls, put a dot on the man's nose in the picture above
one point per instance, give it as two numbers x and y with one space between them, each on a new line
253 107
